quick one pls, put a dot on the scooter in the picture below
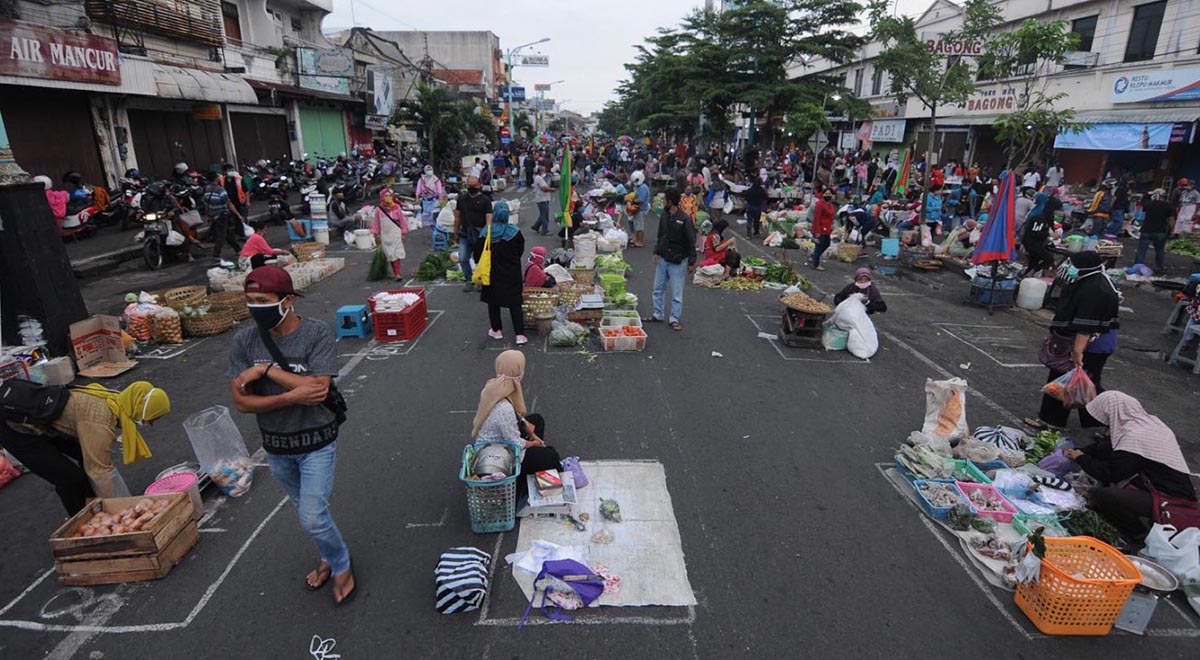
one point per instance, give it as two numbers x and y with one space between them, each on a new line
160 242
278 211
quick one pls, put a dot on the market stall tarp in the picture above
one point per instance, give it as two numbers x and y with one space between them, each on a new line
997 241
646 553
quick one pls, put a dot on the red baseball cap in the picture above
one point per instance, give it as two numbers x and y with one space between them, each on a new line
270 279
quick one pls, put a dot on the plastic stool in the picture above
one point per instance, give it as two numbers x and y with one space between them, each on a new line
890 247
353 321
441 240
1177 320
1190 331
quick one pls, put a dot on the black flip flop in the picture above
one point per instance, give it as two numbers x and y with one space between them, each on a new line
353 592
328 572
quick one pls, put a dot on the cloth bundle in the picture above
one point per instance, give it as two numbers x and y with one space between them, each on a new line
461 578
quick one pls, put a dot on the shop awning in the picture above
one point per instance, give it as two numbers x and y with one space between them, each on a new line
301 92
176 82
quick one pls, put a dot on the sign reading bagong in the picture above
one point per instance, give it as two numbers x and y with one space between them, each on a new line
34 51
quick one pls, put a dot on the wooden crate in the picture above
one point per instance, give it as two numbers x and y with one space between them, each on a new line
142 555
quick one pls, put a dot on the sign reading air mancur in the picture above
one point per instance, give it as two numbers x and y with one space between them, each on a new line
1156 86
35 51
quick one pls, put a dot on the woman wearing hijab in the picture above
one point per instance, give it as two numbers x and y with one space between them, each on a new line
756 201
1138 445
389 225
84 435
1086 318
507 280
535 270
501 415
719 250
431 193
864 285
1036 233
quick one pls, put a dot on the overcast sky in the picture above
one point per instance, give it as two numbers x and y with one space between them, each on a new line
589 42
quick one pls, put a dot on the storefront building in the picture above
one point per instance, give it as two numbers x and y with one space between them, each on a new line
1135 81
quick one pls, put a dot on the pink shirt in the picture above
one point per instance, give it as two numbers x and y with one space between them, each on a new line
256 244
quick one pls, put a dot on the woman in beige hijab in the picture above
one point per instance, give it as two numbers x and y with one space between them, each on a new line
502 416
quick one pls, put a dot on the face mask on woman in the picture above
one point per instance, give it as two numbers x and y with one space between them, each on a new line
863 285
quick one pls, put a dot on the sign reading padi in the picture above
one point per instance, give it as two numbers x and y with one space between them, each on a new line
1155 86
34 51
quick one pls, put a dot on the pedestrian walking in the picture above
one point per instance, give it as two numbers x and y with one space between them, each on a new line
223 216
756 200
472 213
507 280
232 182
297 420
1155 228
390 226
431 192
637 221
674 258
74 451
541 196
822 227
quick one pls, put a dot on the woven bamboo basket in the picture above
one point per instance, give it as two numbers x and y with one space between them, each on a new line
583 275
233 302
184 296
537 300
212 323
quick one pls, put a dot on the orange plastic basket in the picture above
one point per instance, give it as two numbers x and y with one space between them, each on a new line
1063 604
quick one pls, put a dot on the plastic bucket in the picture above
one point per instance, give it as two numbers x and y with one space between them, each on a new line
321 234
890 247
180 482
363 239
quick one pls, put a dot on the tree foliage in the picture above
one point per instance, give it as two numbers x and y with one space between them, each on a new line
715 61
450 129
1025 57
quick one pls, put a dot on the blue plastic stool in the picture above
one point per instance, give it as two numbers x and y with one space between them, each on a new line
441 240
353 321
890 247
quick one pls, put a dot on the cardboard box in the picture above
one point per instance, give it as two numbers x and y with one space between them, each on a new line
99 350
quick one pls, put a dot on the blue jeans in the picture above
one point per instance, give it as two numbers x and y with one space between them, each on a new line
1160 248
677 275
543 222
308 481
1118 221
466 242
819 249
429 211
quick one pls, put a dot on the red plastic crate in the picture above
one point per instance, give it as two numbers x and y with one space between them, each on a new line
415 290
400 326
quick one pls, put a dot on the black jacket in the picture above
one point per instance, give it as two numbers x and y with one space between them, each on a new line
1110 467
676 238
508 279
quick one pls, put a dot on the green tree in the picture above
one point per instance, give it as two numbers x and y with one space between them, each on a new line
917 71
806 121
1026 57
451 129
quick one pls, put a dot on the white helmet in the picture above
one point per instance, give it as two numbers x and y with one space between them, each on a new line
44 180
637 178
180 168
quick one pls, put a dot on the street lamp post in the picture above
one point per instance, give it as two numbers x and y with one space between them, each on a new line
541 103
511 52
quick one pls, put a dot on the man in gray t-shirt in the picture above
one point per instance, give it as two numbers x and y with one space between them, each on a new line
299 433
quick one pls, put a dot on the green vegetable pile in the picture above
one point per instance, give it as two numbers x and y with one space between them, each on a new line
754 261
740 284
1184 245
1044 444
1090 523
960 517
434 266
790 243
782 274
612 262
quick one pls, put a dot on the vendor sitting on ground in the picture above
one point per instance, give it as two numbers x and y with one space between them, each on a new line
257 251
864 285
1139 447
961 242
719 250
84 434
535 270
502 416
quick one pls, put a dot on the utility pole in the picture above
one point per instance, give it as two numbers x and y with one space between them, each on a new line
508 87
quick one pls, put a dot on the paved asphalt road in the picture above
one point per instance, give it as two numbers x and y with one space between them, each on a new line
796 546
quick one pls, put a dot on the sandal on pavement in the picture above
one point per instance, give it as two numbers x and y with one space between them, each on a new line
651 319
346 596
322 573
675 326
1039 425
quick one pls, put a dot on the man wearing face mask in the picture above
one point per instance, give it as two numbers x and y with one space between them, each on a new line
472 213
84 434
299 433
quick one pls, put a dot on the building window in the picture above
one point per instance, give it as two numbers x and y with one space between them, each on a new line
297 26
1143 34
877 81
858 78
1086 29
233 26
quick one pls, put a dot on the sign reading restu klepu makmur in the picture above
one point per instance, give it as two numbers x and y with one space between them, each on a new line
1156 86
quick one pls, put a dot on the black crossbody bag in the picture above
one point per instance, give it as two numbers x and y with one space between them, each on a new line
334 401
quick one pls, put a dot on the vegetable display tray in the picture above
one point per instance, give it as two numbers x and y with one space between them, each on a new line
939 512
1004 516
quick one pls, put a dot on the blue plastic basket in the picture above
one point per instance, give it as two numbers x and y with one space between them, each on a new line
939 512
492 505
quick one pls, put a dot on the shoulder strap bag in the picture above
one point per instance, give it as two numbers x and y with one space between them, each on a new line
334 401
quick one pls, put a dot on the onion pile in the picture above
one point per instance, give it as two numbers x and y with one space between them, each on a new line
129 519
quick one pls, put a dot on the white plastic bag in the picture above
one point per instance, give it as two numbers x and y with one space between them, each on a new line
946 409
851 316
1178 552
246 230
175 239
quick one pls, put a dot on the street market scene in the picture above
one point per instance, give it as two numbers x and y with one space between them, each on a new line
732 329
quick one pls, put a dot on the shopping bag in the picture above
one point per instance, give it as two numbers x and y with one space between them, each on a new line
1177 551
1074 388
946 409
483 269
378 269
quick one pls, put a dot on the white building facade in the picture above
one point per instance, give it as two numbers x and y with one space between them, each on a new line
1135 79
